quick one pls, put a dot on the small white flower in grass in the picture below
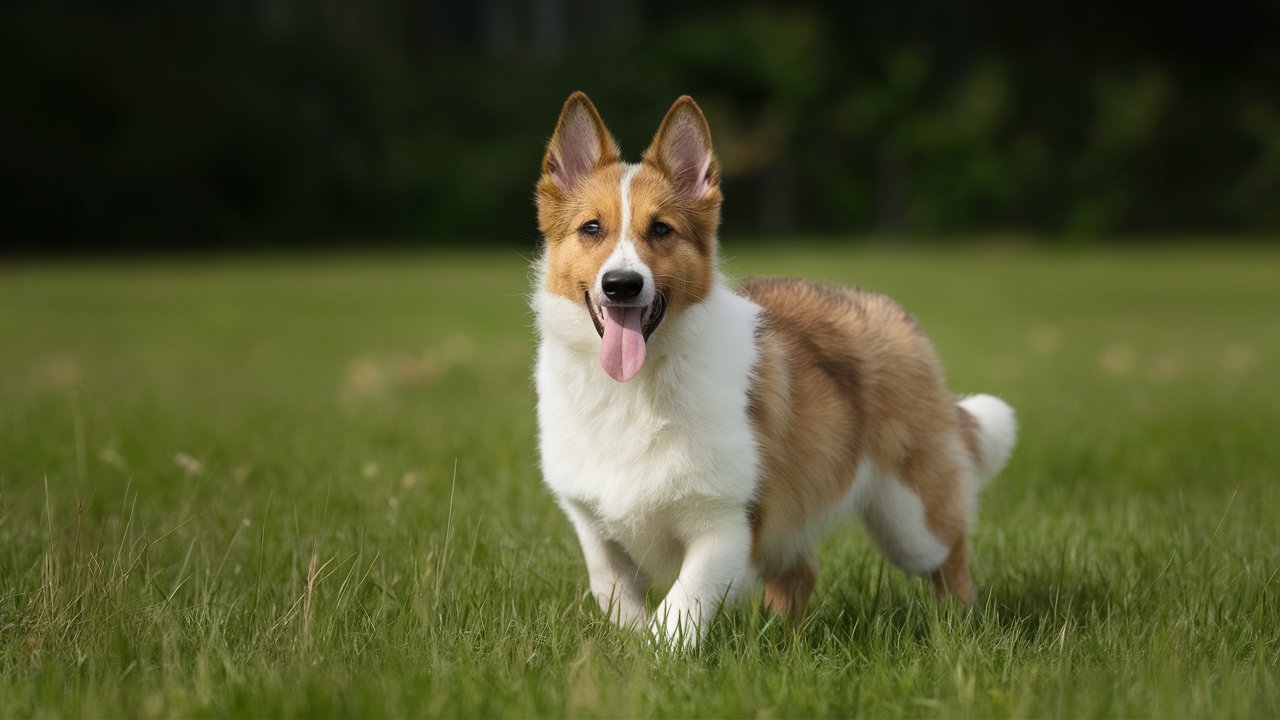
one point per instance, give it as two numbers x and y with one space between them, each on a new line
154 705
365 377
409 480
1117 360
1238 358
188 463
1166 367
457 349
109 456
62 371
411 371
1045 339
370 470
369 375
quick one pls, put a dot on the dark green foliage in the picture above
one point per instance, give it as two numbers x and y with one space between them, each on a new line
128 126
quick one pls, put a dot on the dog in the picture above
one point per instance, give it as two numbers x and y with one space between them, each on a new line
699 438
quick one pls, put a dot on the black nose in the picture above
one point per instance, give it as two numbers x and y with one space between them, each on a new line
622 285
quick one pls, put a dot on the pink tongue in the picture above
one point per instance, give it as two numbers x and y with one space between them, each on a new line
622 347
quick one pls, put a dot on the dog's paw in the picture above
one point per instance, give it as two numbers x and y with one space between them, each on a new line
676 629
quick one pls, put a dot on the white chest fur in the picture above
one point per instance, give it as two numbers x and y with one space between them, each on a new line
641 455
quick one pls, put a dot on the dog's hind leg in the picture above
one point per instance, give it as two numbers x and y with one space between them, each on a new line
786 593
921 521
953 577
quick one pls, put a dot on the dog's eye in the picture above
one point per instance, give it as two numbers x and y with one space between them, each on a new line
591 227
659 229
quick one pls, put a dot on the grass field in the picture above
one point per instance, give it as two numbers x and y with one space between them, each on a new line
286 487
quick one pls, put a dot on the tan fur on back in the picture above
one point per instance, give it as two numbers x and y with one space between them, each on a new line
846 374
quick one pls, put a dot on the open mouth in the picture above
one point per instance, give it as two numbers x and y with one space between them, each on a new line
624 333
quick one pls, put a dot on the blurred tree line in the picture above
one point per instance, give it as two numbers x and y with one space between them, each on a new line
275 123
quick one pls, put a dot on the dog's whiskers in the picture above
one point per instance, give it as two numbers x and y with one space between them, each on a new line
673 288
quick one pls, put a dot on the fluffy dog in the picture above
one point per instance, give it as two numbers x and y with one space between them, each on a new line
701 438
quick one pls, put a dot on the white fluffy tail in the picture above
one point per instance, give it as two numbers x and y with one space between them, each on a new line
991 430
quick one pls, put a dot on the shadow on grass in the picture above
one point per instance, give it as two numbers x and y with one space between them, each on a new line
1028 607
1040 603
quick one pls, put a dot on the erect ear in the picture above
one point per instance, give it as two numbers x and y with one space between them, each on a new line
682 149
580 144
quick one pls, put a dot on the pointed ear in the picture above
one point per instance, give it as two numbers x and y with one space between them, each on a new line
682 150
580 143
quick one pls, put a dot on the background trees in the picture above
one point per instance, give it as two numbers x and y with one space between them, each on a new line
213 125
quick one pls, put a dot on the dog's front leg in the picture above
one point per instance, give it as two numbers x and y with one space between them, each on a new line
716 570
617 585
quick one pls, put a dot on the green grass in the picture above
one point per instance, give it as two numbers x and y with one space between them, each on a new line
284 487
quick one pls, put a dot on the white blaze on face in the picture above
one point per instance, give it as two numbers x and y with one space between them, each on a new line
624 256
622 343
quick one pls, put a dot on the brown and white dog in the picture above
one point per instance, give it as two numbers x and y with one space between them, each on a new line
701 438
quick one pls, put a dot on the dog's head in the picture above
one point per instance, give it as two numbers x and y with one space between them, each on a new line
633 244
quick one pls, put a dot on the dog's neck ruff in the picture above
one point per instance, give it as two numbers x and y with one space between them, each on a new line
694 388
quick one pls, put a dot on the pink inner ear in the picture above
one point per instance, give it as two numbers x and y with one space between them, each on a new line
689 160
578 150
